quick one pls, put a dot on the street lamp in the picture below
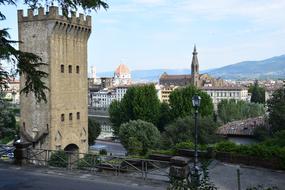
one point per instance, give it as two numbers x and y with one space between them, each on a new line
196 101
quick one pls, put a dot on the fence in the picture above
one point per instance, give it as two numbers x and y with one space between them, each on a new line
116 165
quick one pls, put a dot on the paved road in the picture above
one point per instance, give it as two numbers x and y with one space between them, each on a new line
111 147
14 178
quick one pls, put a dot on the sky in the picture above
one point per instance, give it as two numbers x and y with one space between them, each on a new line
160 34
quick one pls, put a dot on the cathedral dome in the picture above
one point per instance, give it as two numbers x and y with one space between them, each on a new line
122 70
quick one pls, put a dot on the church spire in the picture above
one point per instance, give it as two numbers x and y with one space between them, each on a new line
195 63
195 68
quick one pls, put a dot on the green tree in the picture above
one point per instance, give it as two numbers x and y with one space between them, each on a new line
26 63
138 137
261 133
257 93
116 116
180 101
139 102
165 116
183 129
94 130
276 108
231 110
8 128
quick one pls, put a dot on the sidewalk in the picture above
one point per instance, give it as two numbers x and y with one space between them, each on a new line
225 176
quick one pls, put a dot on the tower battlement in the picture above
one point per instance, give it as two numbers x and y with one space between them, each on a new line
53 14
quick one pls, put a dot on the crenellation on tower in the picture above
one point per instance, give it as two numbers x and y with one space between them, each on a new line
41 12
53 14
20 15
30 13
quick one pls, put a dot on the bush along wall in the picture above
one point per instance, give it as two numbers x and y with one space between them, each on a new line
257 155
260 155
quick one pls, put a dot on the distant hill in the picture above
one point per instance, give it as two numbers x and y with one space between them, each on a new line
272 68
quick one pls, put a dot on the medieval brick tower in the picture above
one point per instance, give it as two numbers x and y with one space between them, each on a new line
61 42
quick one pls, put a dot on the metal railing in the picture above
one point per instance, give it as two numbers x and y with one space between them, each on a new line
115 165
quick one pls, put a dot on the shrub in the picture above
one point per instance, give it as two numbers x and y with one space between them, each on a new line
89 160
166 152
138 137
103 152
225 146
58 159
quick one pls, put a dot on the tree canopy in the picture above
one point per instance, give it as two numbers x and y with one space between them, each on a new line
8 128
276 108
183 129
139 102
138 137
180 101
94 130
257 93
231 110
165 116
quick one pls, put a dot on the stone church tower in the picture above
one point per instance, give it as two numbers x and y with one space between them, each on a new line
195 68
62 122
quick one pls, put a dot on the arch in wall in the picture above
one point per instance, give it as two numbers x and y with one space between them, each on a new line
71 148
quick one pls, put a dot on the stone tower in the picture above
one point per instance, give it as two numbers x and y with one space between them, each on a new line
61 42
195 69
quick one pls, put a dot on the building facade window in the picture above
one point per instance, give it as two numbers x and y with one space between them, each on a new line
78 115
77 69
62 68
70 68
62 117
70 116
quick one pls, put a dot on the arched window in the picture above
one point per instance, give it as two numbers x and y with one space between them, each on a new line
62 117
62 68
70 68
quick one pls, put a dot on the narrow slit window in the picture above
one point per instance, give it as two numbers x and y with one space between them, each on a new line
70 68
70 116
62 117
78 115
62 68
77 69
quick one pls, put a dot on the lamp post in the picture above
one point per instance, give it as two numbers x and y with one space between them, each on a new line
196 101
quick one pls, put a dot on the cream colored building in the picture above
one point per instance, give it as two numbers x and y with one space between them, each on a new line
12 93
62 122
165 92
226 93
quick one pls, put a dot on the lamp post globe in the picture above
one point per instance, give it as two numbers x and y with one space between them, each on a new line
196 101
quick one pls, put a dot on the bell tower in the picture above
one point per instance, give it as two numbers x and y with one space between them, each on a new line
195 68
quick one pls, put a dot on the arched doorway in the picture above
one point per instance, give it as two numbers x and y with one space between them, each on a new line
72 148
72 151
